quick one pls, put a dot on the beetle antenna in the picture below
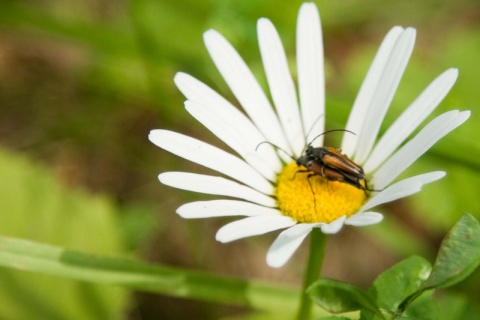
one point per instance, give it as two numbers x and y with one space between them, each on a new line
310 131
276 147
328 131
313 126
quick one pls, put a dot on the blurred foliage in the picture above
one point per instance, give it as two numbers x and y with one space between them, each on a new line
82 83
35 206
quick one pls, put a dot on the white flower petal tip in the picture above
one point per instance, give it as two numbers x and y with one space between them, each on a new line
179 77
334 226
210 33
364 219
153 136
434 176
286 243
308 6
187 85
465 115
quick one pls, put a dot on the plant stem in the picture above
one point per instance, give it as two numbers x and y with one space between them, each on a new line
312 273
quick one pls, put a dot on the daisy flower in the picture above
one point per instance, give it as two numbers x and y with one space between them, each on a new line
262 181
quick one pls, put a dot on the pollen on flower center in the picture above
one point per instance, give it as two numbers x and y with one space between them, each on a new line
333 199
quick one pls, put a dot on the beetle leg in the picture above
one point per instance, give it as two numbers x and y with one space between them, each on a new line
313 192
366 188
301 171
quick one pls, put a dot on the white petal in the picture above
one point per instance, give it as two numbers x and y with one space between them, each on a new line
384 93
402 189
228 132
281 84
311 79
223 208
286 243
210 157
214 185
200 93
411 118
367 90
334 226
364 219
253 226
245 87
413 149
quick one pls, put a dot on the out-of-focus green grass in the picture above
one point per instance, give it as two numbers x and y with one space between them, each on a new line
82 83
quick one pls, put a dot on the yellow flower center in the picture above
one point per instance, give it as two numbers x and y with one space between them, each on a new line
315 199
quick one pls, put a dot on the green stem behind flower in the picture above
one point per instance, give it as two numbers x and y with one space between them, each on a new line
312 273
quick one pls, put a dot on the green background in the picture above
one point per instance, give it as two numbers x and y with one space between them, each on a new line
83 82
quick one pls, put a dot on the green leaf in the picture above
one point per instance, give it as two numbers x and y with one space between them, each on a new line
458 256
338 297
399 281
35 257
34 205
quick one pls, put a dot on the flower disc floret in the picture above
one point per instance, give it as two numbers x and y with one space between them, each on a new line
311 198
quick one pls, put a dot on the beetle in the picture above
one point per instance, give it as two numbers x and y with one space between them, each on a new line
332 165
329 163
